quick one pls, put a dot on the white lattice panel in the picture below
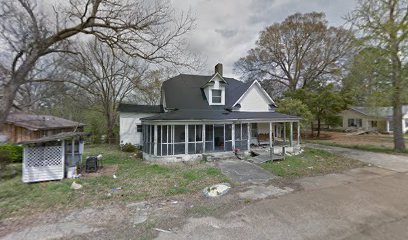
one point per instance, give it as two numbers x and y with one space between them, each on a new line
43 156
43 163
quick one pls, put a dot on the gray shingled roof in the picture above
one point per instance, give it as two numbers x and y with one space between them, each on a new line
126 107
189 114
36 122
385 112
185 92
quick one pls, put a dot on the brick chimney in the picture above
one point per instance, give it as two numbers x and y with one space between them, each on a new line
218 68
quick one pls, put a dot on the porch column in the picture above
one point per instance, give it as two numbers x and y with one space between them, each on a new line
270 134
298 132
155 141
203 137
249 135
186 138
284 132
387 128
72 150
291 135
233 136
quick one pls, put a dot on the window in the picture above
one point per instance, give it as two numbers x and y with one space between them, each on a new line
139 128
355 122
374 124
216 96
406 123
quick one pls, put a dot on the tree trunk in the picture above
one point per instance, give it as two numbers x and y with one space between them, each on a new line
399 145
312 133
110 125
9 94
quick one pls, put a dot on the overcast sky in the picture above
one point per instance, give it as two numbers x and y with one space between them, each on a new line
227 29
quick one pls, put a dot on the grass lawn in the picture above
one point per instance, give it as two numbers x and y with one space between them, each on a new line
136 179
310 163
364 147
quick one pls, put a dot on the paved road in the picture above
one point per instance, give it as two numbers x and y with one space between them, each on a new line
368 203
398 163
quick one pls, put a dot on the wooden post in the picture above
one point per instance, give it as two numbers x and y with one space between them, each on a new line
233 136
155 141
270 135
186 138
203 137
298 132
291 135
249 136
72 151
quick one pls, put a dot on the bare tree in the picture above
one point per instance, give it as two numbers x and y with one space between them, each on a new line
149 92
29 32
384 24
107 76
298 52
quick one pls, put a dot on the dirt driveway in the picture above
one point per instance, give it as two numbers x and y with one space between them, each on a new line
367 203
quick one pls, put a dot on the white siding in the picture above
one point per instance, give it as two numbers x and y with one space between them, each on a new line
254 100
405 123
128 127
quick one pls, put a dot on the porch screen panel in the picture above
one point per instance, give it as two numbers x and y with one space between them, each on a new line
195 139
244 134
179 139
228 137
209 138
241 136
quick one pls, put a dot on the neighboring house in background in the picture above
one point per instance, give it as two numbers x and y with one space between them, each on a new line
130 125
208 114
372 118
24 126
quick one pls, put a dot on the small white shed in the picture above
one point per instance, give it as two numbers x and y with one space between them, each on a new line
51 157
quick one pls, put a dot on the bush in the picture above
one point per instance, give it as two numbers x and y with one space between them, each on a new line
128 147
11 153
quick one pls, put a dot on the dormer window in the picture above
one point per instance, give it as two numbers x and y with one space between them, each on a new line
216 96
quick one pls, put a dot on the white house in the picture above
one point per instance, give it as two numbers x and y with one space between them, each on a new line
377 118
207 114
130 125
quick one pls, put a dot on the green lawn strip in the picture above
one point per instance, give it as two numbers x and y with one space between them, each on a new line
310 163
364 147
136 180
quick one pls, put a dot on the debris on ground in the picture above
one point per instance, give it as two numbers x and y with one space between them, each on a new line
76 186
217 190
162 230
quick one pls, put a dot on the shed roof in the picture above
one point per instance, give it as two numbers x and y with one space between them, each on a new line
56 137
127 107
40 122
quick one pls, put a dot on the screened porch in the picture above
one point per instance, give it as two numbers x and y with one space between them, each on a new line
187 141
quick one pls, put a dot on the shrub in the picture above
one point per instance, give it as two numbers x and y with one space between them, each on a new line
128 147
11 153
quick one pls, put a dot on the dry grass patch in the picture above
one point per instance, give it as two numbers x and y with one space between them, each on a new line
311 162
136 180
